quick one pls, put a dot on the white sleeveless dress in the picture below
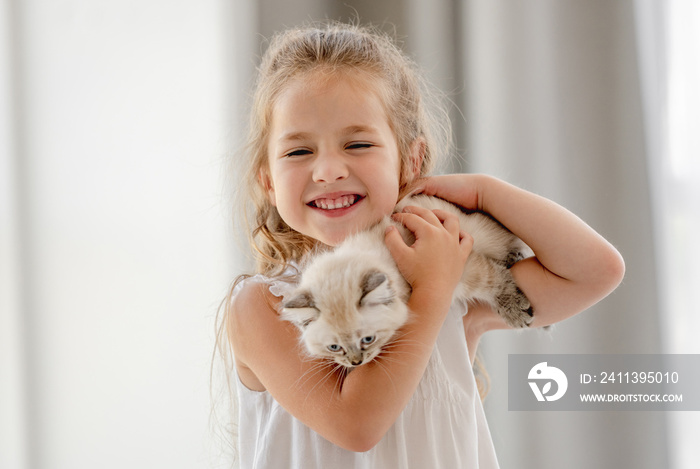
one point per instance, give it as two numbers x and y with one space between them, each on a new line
442 427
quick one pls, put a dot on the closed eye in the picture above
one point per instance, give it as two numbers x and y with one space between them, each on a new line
358 145
298 152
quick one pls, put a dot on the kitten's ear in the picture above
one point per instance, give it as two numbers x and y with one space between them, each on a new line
376 289
300 309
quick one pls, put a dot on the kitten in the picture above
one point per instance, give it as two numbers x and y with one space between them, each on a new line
351 300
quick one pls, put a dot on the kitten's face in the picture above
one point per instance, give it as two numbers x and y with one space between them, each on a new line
345 323
348 348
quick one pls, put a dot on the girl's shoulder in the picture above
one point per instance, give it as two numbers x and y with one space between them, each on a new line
250 291
253 310
257 294
277 286
253 324
258 290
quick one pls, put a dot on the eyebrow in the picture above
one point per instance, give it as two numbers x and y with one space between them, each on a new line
294 136
349 130
356 129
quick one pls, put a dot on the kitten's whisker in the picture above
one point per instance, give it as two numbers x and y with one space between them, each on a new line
330 372
341 372
310 373
402 336
395 354
378 360
401 341
320 368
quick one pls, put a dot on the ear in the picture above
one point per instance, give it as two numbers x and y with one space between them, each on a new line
266 183
376 289
418 148
300 310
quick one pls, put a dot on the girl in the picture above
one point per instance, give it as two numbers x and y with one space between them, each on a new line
339 130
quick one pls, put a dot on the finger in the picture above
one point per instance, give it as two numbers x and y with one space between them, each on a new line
423 186
415 224
449 220
466 243
443 214
424 213
415 187
395 243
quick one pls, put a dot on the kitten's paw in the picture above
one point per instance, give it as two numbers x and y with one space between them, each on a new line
514 307
512 258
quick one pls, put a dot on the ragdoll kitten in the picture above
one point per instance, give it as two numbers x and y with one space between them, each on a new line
351 300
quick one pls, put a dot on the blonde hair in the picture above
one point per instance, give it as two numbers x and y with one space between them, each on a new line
415 113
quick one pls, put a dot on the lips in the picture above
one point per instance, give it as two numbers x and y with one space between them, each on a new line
335 202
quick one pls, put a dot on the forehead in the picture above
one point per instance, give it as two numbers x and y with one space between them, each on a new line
323 100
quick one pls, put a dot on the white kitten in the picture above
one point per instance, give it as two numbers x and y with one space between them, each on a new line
351 301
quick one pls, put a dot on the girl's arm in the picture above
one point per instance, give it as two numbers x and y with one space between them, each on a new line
573 267
355 411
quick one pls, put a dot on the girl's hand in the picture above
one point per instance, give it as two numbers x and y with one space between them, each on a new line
436 259
461 189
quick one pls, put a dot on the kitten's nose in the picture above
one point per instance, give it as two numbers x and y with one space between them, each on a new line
356 362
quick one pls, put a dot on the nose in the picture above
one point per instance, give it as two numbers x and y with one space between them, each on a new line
329 167
354 356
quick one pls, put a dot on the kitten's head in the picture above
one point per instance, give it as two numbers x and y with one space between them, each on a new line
345 314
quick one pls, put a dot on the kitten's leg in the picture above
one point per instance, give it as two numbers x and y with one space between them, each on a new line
512 304
489 280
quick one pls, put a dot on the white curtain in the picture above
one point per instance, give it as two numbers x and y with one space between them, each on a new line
115 251
669 45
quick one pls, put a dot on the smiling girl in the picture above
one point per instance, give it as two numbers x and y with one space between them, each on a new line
340 128
343 119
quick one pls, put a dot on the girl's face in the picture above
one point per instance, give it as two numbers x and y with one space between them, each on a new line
333 158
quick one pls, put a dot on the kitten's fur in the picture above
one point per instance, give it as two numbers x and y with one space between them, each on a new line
351 301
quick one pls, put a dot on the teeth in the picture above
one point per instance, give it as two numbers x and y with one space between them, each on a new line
331 204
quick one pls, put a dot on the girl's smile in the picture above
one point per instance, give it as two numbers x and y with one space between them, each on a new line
333 162
336 204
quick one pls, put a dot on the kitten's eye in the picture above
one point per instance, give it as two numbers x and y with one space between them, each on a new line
367 340
335 348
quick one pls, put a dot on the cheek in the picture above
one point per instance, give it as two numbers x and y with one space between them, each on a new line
389 196
288 179
316 340
283 189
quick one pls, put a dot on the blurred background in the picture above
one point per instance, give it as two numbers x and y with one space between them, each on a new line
117 119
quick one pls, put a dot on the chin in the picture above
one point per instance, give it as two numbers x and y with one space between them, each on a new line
333 238
333 241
